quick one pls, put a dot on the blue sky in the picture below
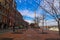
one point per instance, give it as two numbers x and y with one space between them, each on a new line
28 7
27 4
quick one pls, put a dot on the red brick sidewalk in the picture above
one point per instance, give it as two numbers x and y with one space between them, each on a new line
30 34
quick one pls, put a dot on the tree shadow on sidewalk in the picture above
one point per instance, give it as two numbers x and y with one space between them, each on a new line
17 33
6 38
52 39
43 33
39 32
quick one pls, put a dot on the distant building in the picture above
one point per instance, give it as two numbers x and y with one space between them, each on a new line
34 25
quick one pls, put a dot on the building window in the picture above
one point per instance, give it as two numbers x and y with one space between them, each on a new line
0 18
0 6
0 3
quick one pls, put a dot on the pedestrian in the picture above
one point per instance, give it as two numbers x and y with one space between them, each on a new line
14 28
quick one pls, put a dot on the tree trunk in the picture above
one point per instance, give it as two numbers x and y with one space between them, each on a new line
59 26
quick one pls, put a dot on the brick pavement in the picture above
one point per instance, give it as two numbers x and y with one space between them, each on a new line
30 34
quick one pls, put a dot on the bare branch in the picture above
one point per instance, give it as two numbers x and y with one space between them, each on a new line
48 12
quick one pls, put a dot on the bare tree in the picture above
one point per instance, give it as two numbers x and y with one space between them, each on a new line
37 19
41 18
54 10
43 22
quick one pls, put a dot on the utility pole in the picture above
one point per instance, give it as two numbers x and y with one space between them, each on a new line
35 16
35 20
42 23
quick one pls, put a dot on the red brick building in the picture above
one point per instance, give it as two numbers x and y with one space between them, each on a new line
9 15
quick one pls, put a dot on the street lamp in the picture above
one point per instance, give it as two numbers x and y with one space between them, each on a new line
59 20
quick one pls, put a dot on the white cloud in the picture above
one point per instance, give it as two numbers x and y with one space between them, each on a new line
20 1
28 13
29 21
50 22
56 3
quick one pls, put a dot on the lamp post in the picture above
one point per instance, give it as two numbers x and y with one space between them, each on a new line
59 25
